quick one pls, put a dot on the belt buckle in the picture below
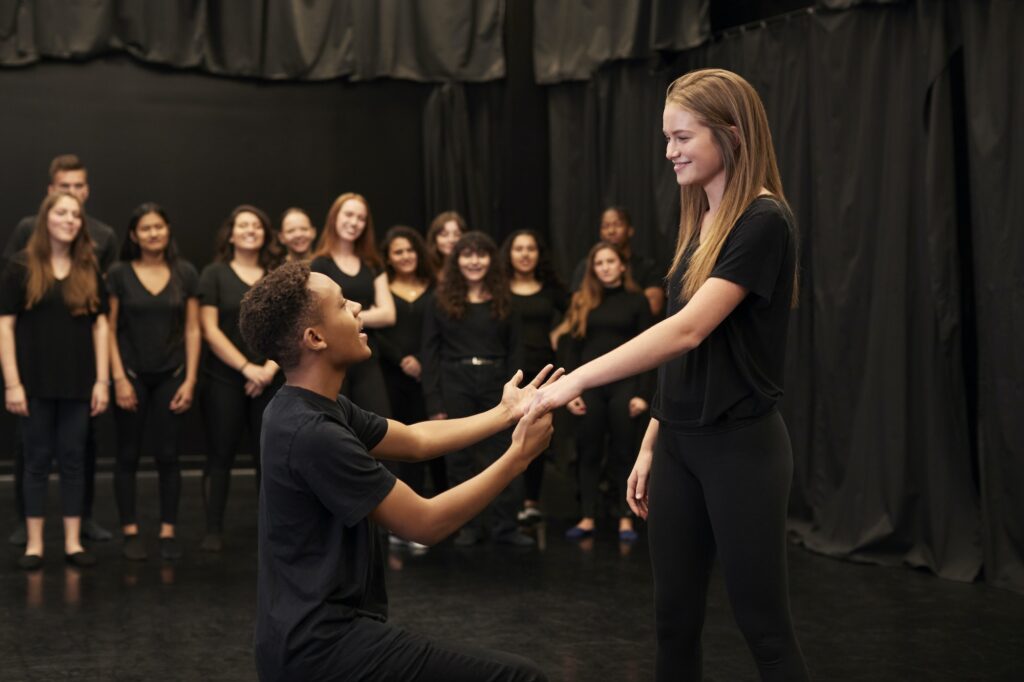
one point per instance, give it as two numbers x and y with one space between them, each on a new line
476 362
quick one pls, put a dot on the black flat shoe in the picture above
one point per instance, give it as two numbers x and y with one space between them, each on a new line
134 549
81 559
213 542
30 562
170 549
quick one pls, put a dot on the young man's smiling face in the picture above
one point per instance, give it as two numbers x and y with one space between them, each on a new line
339 325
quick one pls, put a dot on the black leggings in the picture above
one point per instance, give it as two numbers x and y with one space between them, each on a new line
607 413
153 392
226 411
55 429
723 493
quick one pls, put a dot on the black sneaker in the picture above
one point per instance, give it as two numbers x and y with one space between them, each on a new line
18 536
81 559
134 549
170 549
212 542
95 532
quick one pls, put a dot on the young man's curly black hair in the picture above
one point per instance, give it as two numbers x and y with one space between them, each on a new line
276 310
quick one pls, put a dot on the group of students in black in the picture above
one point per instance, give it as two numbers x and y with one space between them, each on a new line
449 316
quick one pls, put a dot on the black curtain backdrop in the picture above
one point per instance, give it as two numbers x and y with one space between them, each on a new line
572 39
861 108
420 40
994 75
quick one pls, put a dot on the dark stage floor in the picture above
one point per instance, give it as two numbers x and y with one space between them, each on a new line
581 612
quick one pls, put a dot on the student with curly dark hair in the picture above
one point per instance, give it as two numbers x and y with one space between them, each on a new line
411 281
154 357
321 607
539 301
469 338
237 381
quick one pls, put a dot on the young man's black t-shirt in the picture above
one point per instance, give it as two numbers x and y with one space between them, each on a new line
321 561
736 374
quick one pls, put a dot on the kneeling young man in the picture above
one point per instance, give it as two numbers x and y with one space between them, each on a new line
321 604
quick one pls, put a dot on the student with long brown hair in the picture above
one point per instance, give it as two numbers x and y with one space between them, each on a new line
608 310
154 357
237 381
54 354
347 253
470 338
445 230
714 470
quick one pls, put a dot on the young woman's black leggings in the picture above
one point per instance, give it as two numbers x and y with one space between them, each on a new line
723 494
607 413
55 429
153 392
226 412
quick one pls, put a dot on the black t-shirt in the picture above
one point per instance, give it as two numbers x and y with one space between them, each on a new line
406 336
55 351
321 561
736 375
103 237
619 317
358 287
151 327
221 287
644 271
478 334
538 314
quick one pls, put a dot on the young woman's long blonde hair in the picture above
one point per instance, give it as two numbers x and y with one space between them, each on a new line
723 100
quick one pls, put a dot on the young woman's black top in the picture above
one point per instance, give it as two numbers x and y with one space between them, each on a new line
619 317
736 375
478 334
221 287
406 336
538 314
358 287
151 327
55 351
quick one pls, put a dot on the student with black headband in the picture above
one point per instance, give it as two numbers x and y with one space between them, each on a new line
54 355
154 356
237 381
321 605
714 470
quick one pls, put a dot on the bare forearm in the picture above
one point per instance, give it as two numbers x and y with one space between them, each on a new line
193 344
430 439
9 355
443 515
642 353
225 351
101 344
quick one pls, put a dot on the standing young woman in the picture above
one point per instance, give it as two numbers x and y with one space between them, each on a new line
237 382
713 473
539 301
445 230
469 337
54 354
608 310
297 234
154 357
411 280
347 253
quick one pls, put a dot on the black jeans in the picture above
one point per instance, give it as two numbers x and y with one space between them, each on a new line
607 414
154 392
88 469
226 412
723 494
465 391
55 429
